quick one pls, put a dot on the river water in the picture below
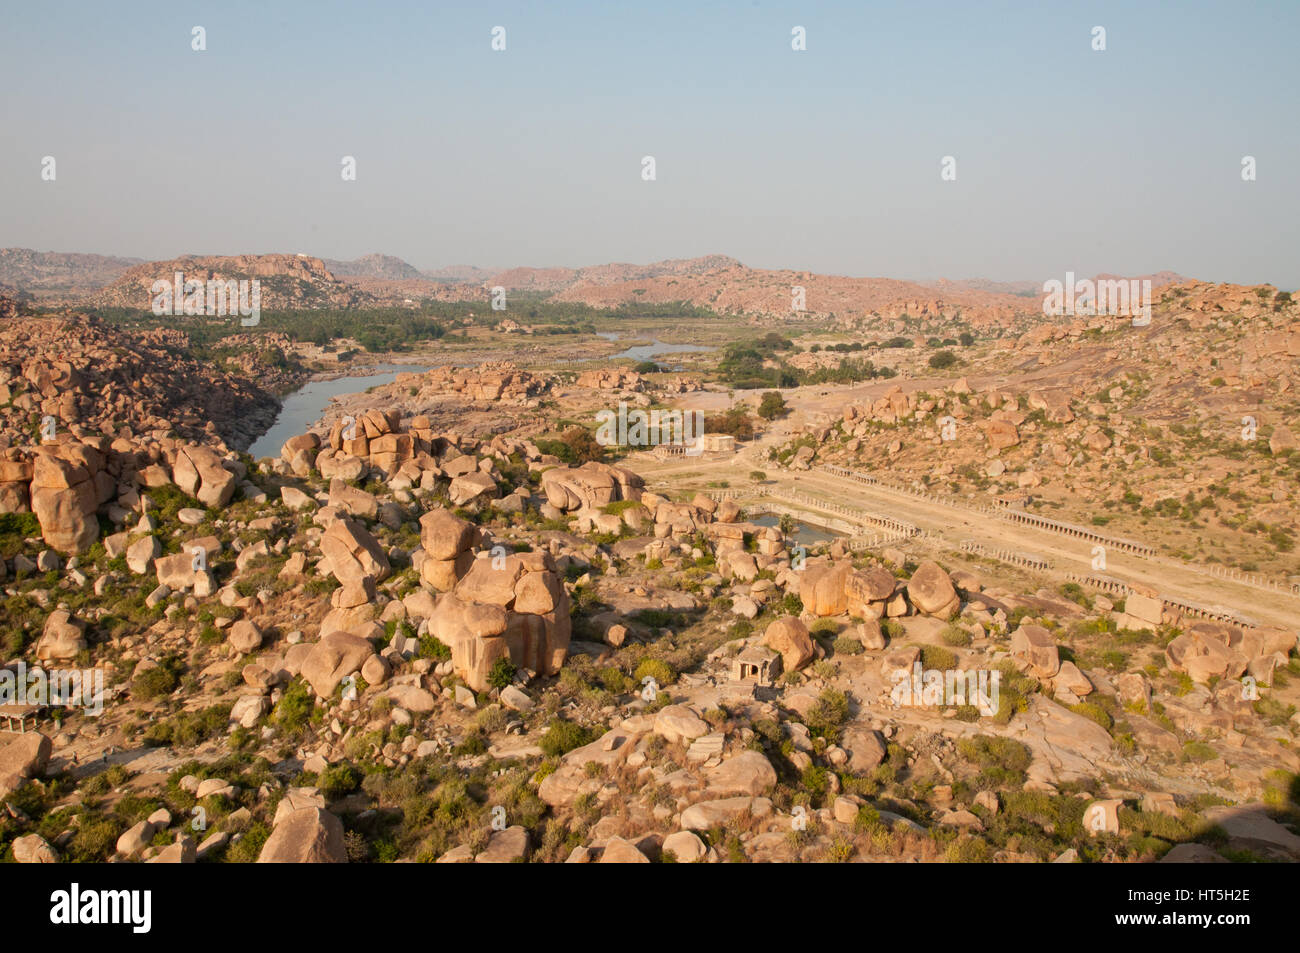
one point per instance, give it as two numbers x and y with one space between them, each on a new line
646 352
305 406
301 409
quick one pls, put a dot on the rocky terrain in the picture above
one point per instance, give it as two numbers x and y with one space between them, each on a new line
92 378
725 286
561 279
1183 429
287 282
59 276
717 282
384 267
1034 289
417 634
740 290
444 625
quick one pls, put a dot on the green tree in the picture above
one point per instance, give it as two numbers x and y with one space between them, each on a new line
582 444
772 406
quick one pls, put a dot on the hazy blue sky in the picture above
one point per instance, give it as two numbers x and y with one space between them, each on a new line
1127 160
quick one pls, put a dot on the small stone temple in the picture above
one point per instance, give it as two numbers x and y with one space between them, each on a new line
756 664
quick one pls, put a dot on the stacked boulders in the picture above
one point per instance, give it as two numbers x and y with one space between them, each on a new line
868 593
353 501
415 457
1208 649
473 487
511 607
737 562
679 385
675 519
494 381
357 445
890 408
611 378
1054 402
352 607
1143 609
184 570
822 588
1001 430
448 543
309 835
22 758
931 592
831 588
1034 650
300 453
352 553
74 477
336 656
15 480
200 473
68 484
590 486
108 379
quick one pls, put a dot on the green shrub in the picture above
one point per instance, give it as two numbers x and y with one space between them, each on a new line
955 635
563 736
502 673
338 780
1198 751
95 840
827 713
615 681
657 669
431 648
936 657
188 728
160 680
292 713
249 846
816 781
990 751
1094 712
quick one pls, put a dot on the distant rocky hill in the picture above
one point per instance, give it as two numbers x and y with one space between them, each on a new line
557 279
718 282
1034 289
459 273
49 275
741 290
1158 280
373 266
287 281
725 285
